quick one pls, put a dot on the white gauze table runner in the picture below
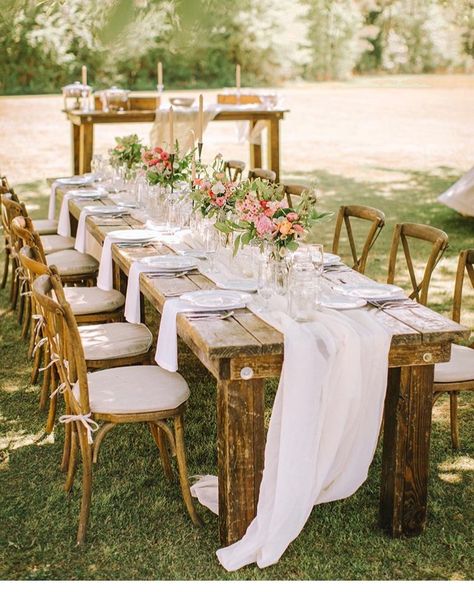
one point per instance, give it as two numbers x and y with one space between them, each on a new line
323 430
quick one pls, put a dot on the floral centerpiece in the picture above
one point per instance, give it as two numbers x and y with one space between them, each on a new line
213 194
164 168
263 217
127 152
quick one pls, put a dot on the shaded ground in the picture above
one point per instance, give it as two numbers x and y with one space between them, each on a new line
138 528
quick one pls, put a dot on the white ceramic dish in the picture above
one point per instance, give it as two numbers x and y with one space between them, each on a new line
97 210
339 301
171 262
132 235
217 299
376 293
331 259
243 284
82 180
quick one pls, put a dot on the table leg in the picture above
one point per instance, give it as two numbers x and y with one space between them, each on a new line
404 488
75 148
274 146
86 147
241 446
255 150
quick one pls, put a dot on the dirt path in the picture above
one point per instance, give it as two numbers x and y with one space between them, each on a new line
368 129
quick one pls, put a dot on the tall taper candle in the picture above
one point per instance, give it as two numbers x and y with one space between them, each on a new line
171 124
200 118
237 76
160 73
84 74
193 168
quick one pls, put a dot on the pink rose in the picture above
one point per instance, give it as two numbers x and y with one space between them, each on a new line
292 216
263 225
298 228
220 201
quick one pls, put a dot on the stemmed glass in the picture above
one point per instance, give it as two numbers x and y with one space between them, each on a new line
265 281
317 257
211 242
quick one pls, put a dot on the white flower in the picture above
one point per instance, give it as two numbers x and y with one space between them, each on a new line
218 188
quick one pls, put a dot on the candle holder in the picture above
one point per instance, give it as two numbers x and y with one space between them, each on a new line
159 89
199 151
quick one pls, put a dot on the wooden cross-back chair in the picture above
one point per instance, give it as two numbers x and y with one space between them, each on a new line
265 174
457 374
106 344
75 268
10 209
234 169
293 190
374 216
145 394
439 243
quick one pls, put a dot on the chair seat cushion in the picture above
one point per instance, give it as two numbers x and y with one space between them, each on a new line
459 368
56 242
93 300
73 263
134 389
45 226
114 340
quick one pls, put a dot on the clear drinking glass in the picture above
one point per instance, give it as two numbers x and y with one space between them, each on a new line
280 277
211 242
265 281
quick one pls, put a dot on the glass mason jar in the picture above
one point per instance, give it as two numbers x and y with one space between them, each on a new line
303 288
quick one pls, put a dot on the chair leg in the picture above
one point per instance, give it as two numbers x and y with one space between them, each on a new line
86 453
72 461
39 354
53 402
183 472
26 318
68 429
160 440
453 411
21 302
14 290
5 267
46 388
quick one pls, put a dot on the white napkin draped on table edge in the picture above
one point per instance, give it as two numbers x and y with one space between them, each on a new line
333 416
52 200
460 196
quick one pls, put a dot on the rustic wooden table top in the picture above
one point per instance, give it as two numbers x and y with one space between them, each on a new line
246 333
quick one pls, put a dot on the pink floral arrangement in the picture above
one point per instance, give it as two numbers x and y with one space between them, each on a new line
214 194
161 169
261 216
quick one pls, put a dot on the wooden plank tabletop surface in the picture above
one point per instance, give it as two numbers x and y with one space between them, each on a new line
246 333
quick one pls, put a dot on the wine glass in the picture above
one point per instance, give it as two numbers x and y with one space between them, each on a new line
211 242
317 258
265 281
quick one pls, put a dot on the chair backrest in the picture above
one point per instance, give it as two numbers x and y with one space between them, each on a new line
10 210
439 243
60 329
7 189
30 260
377 219
23 234
294 190
265 174
465 267
234 169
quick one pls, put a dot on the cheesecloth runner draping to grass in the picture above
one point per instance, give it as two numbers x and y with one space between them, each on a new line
323 429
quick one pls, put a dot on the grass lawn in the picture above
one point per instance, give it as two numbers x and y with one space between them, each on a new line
139 528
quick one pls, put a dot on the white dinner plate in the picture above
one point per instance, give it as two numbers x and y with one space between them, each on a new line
133 235
217 299
171 262
80 180
338 301
89 193
243 284
376 293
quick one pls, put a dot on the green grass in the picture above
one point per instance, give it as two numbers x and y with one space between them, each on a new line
139 528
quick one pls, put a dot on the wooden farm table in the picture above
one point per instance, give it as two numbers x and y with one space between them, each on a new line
421 338
82 125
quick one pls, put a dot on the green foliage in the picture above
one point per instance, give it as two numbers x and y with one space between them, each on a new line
44 44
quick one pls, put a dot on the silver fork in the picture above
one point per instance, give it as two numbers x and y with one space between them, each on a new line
165 274
210 315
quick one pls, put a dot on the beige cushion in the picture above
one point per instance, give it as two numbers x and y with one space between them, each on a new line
55 242
114 340
135 389
93 300
459 368
72 262
45 226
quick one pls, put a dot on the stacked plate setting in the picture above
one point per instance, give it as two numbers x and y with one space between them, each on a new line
170 264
